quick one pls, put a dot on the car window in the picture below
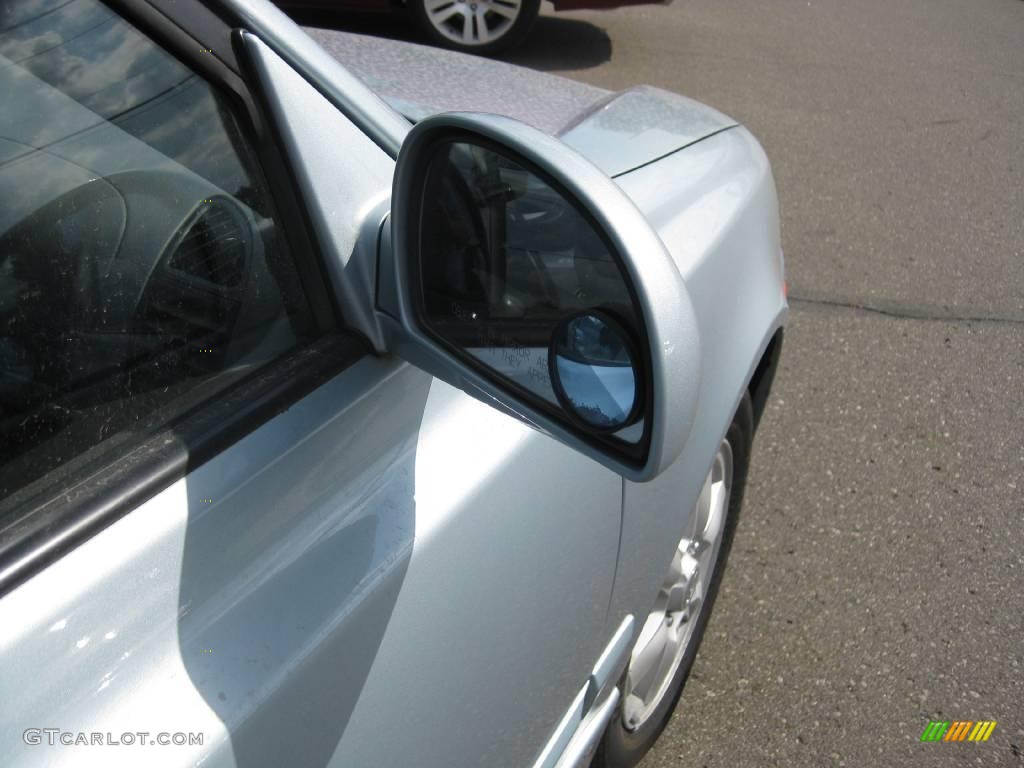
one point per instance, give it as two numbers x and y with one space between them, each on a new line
141 265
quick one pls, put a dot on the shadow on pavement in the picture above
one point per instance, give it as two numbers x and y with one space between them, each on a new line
395 25
559 43
554 43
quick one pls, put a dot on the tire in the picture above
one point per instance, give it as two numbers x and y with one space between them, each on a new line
623 746
505 23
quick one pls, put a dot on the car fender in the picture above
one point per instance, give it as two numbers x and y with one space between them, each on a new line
714 205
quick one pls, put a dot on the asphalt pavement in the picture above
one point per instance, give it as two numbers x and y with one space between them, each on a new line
877 578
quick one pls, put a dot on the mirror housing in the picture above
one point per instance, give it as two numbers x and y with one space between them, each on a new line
495 161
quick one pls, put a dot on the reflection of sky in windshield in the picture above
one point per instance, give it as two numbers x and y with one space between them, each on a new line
86 52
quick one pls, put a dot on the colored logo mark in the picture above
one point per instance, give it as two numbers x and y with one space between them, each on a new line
959 730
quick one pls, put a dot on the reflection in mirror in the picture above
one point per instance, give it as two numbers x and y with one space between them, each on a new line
594 371
505 256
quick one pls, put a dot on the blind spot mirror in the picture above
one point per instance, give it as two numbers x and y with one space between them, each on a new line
594 370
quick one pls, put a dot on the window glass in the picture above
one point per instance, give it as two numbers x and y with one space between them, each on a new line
141 267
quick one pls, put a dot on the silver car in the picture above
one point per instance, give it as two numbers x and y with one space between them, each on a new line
342 431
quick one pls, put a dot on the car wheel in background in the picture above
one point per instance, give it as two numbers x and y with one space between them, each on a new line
668 640
482 27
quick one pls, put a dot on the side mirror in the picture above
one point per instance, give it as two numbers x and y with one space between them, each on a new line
522 274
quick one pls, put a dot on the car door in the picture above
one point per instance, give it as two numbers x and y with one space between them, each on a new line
231 534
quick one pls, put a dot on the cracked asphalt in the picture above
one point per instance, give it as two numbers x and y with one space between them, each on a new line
877 579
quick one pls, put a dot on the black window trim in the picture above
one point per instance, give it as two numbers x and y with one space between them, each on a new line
57 518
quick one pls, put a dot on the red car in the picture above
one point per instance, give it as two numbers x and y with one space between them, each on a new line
482 27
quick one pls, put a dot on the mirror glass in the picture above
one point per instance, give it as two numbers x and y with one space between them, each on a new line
594 371
505 257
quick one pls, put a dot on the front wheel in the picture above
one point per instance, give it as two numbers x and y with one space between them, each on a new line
667 644
482 27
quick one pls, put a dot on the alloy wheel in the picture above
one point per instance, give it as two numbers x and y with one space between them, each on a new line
472 22
669 628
